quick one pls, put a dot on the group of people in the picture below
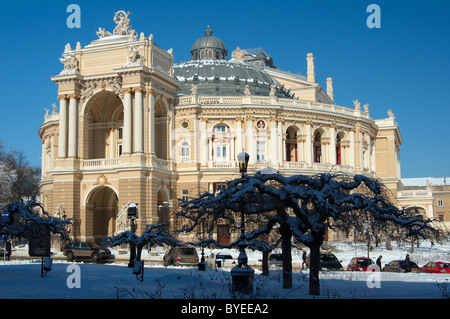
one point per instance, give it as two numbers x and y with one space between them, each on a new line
407 264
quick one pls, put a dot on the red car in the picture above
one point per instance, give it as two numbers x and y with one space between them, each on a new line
437 267
361 264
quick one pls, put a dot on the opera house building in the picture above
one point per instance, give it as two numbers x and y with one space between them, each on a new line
133 126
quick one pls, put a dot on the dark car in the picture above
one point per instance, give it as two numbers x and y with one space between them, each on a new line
81 250
399 266
181 256
275 261
328 261
361 264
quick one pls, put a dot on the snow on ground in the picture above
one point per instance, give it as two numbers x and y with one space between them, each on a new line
21 279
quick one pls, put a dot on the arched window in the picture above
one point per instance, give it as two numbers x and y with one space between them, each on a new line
338 149
291 145
317 147
185 151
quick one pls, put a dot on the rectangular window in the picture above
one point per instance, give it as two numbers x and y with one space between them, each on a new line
440 203
185 152
119 134
221 153
260 150
184 194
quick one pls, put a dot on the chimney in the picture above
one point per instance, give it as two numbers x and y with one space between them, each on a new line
311 75
330 88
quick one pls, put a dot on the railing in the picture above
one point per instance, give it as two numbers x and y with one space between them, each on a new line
101 163
220 164
415 193
311 105
110 163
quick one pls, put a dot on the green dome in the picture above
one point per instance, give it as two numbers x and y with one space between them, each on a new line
208 47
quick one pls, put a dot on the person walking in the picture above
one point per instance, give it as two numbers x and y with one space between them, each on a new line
303 259
8 249
407 263
378 262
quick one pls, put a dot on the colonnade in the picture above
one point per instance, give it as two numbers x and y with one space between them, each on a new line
138 123
356 147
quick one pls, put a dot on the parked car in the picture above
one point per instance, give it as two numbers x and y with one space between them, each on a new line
224 259
328 261
82 250
275 261
437 267
181 256
399 266
361 264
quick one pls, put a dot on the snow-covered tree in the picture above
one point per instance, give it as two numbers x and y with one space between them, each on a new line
302 206
19 180
8 177
152 235
20 220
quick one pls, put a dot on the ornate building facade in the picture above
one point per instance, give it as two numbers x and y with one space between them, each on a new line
135 127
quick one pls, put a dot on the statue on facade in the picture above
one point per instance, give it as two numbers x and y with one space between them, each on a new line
134 57
70 62
357 105
101 33
390 114
194 89
247 90
239 54
272 90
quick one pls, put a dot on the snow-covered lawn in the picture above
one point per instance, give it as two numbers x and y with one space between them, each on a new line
20 279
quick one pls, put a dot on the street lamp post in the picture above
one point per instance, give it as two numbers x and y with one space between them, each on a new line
132 215
242 274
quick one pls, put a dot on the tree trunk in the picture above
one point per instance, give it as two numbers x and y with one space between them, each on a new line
265 263
139 252
287 261
314 265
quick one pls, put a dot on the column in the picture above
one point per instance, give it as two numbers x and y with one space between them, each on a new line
73 126
43 159
273 142
333 144
373 156
281 148
138 121
250 141
127 123
239 146
361 150
352 149
204 143
62 137
309 141
151 122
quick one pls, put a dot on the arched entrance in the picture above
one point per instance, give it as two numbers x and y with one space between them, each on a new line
103 209
102 126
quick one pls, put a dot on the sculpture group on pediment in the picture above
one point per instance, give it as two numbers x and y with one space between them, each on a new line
122 28
123 25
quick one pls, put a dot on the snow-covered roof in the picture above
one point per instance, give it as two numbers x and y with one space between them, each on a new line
422 181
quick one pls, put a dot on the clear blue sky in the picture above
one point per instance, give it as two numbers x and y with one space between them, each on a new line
403 66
